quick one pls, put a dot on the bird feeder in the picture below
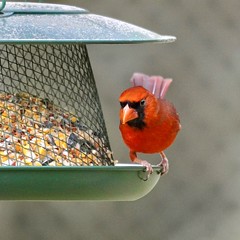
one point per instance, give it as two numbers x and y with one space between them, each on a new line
53 138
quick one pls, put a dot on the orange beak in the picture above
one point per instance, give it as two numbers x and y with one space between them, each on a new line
127 114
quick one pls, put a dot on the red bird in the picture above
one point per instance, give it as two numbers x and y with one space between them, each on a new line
148 122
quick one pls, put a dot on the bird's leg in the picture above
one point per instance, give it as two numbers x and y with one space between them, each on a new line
135 159
164 163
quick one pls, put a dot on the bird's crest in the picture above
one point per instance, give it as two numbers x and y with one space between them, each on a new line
157 85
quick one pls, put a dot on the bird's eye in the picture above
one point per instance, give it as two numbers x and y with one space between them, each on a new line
142 102
123 104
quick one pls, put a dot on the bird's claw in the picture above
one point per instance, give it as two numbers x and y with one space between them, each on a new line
148 167
165 166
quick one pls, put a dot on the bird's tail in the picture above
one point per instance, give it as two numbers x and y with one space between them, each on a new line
157 85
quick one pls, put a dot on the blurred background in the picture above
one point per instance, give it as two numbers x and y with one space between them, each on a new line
200 196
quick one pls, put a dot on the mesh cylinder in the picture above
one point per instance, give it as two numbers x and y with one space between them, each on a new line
50 113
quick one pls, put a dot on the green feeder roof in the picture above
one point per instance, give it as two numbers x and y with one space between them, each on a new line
53 23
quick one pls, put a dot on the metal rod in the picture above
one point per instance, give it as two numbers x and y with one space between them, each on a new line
3 5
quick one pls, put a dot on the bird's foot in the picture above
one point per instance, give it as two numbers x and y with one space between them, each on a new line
146 164
164 164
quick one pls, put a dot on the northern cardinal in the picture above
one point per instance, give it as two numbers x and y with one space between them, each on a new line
148 122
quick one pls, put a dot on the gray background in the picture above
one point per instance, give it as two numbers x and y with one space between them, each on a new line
199 198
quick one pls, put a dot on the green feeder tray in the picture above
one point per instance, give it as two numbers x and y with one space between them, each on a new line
43 52
110 183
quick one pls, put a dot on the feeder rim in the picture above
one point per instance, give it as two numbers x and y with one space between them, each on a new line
117 167
169 39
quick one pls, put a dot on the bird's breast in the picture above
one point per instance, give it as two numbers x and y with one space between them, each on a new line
148 139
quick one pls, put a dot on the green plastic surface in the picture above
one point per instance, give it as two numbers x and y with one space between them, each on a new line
113 183
49 23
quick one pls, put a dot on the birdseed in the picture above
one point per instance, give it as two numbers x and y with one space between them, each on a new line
35 132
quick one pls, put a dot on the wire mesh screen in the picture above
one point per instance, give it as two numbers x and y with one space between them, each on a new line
50 113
